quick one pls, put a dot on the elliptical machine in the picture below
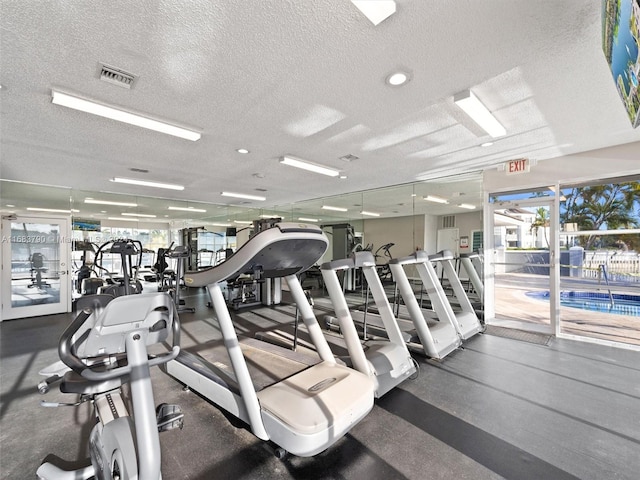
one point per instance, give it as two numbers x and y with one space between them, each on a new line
127 249
104 348
172 281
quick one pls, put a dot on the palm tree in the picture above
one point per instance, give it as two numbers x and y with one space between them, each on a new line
541 221
612 206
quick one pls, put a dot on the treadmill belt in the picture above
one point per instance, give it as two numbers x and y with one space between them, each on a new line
265 367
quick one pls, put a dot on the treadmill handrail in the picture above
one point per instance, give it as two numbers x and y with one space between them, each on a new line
256 253
441 255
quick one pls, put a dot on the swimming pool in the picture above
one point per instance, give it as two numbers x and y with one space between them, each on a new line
596 302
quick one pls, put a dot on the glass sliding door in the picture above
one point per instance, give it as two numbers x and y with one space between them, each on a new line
520 261
600 272
35 274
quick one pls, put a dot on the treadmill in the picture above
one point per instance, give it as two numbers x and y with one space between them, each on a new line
312 404
388 360
466 320
467 261
436 337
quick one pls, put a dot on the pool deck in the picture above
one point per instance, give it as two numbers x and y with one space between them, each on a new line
512 304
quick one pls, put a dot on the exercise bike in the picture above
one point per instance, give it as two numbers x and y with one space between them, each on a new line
104 348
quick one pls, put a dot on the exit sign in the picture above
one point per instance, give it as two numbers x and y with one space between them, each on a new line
521 165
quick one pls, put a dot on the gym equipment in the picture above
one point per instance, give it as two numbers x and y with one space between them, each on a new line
345 241
302 405
437 338
388 362
172 283
85 270
384 272
465 320
93 349
37 267
127 284
468 261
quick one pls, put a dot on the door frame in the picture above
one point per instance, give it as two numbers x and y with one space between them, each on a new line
7 312
554 258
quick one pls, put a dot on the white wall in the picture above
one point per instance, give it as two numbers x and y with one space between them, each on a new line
406 233
603 163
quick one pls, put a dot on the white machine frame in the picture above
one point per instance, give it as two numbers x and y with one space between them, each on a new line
466 261
466 320
307 412
437 339
387 361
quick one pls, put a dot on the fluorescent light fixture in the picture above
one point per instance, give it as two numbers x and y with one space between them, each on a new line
242 150
486 144
243 195
138 215
52 210
113 113
467 206
335 209
435 198
243 222
187 209
270 216
220 224
305 219
145 183
312 167
473 107
343 177
371 214
376 10
123 219
108 202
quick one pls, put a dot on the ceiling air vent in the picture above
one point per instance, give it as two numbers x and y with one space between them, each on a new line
116 76
349 158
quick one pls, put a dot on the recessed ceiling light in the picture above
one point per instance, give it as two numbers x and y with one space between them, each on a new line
343 177
242 150
10 206
145 183
113 113
312 167
335 209
436 199
187 209
397 78
306 219
486 144
371 214
243 222
108 202
467 206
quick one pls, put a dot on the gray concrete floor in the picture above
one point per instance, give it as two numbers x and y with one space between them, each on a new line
499 408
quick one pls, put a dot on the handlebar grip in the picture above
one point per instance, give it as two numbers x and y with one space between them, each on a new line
65 347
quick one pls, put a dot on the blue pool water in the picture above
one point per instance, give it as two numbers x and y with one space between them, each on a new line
596 302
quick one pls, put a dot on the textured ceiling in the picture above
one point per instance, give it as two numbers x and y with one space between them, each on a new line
303 78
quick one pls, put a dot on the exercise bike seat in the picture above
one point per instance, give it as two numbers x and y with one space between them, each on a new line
75 383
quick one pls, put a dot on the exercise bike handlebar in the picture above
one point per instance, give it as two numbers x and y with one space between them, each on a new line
67 348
